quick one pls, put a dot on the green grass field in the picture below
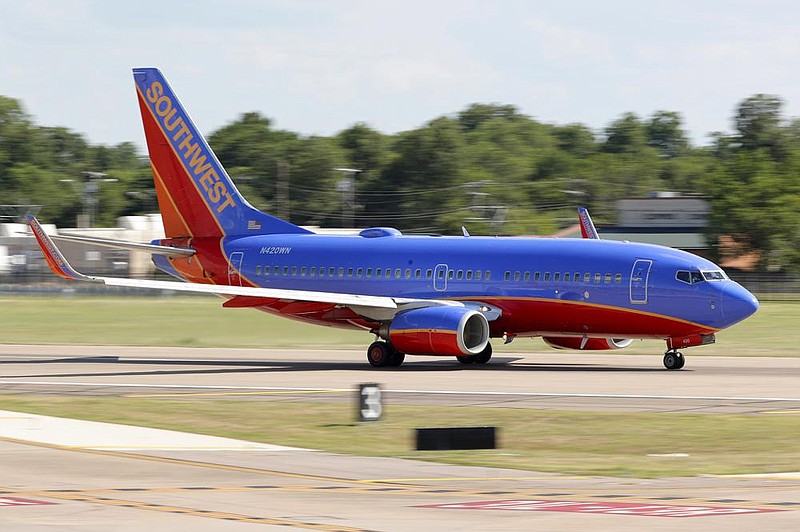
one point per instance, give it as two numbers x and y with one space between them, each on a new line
582 443
202 322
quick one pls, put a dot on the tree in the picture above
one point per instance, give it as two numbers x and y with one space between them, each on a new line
758 121
625 135
478 113
665 133
575 139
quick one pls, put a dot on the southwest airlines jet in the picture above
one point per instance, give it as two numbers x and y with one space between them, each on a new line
419 295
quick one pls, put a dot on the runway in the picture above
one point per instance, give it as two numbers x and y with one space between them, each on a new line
91 489
547 380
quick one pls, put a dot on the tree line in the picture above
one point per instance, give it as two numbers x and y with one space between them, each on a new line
488 167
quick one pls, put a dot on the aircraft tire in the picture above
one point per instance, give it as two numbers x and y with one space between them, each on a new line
379 355
396 358
484 356
673 360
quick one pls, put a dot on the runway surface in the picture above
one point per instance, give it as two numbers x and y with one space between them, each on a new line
552 379
49 487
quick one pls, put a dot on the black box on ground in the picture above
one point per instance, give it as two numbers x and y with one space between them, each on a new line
456 438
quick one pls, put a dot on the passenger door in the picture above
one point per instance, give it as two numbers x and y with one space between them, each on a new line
234 267
640 274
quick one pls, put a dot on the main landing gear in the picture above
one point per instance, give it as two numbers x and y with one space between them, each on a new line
383 355
673 359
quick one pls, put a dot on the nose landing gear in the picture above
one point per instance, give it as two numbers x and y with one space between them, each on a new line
673 359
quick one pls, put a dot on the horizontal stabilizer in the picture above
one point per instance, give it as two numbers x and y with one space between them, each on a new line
130 246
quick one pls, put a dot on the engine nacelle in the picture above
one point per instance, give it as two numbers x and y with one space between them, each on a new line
592 344
453 331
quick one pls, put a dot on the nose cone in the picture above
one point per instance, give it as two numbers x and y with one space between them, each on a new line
737 303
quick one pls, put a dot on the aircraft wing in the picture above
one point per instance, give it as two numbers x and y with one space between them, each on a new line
55 259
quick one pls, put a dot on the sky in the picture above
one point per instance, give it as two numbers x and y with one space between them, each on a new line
317 67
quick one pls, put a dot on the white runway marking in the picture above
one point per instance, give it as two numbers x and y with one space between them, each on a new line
398 391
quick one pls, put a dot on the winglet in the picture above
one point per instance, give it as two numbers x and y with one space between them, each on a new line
52 255
587 227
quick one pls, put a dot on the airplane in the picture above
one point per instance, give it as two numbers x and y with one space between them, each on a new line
419 295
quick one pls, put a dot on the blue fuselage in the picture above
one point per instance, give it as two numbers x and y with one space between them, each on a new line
555 286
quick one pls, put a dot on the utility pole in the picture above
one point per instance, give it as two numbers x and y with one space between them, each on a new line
282 191
347 188
88 191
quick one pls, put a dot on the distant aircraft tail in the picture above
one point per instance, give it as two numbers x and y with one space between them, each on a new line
196 196
588 229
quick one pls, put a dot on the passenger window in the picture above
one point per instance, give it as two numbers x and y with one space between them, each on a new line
460 275
507 276
369 272
397 273
546 276
418 274
429 274
607 278
451 274
331 271
536 277
478 275
527 276
557 277
618 278
440 274
312 272
285 271
349 272
360 272
303 271
597 278
586 277
322 271
487 275
576 277
378 272
277 271
408 273
258 270
469 275
341 272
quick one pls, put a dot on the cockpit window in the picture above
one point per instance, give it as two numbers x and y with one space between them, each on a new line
714 275
689 277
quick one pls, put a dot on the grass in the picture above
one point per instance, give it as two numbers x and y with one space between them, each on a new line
158 321
202 322
613 444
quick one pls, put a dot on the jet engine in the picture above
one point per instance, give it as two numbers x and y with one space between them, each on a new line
456 331
591 344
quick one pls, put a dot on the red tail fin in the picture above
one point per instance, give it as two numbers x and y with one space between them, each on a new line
195 195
